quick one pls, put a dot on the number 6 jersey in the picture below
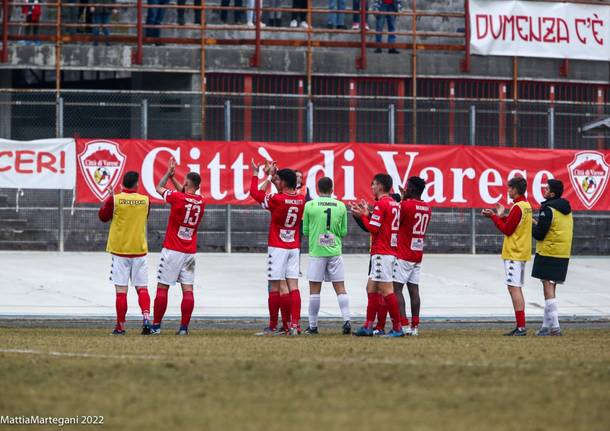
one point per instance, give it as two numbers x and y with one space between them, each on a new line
286 214
184 218
414 218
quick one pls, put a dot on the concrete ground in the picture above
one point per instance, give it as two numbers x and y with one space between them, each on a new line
454 287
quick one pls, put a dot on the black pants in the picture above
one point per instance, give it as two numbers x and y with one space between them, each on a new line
299 4
181 12
238 15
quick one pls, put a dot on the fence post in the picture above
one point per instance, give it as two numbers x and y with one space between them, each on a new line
144 119
551 127
310 121
59 132
391 124
228 207
472 137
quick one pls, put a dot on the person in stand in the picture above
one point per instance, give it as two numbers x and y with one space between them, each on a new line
387 8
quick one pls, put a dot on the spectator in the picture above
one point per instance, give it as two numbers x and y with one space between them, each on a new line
275 17
70 15
196 12
155 17
238 15
250 13
386 6
101 18
356 16
299 18
84 11
32 12
336 20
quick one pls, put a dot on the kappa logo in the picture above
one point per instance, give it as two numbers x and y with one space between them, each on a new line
102 164
589 176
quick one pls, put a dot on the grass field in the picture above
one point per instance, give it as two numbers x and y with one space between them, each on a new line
446 379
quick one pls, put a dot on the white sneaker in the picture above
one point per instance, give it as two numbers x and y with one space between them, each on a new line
414 332
304 24
355 26
250 24
407 330
366 27
263 25
294 23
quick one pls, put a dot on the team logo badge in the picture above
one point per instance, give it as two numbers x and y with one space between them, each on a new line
101 163
589 176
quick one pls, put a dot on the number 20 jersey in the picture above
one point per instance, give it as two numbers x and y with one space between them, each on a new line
184 218
414 219
286 214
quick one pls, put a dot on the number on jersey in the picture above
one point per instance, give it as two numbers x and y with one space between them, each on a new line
421 223
192 219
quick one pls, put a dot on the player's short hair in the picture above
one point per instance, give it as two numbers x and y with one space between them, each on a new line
130 179
519 183
385 180
194 178
288 176
417 185
325 185
556 187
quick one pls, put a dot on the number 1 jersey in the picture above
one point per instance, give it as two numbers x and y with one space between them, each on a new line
184 218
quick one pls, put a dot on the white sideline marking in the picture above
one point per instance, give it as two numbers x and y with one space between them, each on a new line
77 354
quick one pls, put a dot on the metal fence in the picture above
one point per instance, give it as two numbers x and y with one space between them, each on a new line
37 219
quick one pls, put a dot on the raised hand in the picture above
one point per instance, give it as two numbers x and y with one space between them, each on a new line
254 166
487 212
171 169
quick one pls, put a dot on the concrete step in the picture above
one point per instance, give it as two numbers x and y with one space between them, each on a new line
13 222
27 245
16 234
3 200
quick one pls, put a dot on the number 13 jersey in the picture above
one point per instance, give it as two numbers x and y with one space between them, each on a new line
184 218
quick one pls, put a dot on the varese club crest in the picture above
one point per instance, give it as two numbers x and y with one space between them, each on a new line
589 176
101 163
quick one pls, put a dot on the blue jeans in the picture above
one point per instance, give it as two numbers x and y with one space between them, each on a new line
336 19
356 7
101 18
155 17
391 19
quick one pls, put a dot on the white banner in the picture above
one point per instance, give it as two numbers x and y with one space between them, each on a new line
42 164
536 29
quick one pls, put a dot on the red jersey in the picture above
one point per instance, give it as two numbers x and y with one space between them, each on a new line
383 226
414 218
184 218
286 214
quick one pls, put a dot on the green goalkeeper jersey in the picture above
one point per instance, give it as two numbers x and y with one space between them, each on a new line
325 224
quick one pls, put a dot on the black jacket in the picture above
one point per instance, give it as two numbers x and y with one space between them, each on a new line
545 216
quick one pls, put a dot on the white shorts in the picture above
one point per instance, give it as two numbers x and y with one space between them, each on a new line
326 268
514 271
124 269
176 267
282 263
382 268
406 272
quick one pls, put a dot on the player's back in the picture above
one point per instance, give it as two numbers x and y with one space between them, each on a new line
386 216
184 219
286 215
414 219
325 222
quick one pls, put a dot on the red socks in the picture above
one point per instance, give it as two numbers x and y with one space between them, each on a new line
295 307
371 309
144 302
274 308
121 309
404 320
392 304
188 303
285 308
382 313
520 317
160 305
415 321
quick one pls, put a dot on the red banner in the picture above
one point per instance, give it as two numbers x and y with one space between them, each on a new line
457 176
